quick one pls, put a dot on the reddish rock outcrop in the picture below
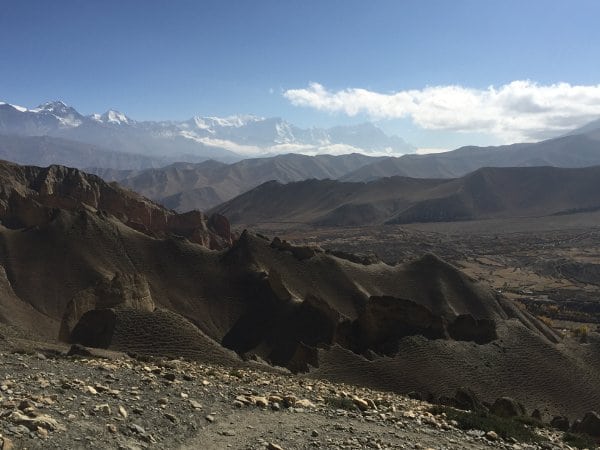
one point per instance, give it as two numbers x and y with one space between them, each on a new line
29 196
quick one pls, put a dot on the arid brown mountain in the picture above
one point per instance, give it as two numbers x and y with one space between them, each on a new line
580 149
483 194
184 187
33 196
80 274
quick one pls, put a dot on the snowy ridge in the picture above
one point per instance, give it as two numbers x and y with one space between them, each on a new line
17 107
112 116
241 135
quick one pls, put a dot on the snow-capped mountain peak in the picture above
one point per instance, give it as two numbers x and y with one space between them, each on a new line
54 107
210 123
285 135
115 117
67 116
246 135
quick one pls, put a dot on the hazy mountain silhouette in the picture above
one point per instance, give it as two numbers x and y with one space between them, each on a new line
184 187
47 150
483 194
576 150
187 186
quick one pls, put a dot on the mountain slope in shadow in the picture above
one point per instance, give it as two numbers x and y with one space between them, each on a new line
200 186
579 149
484 194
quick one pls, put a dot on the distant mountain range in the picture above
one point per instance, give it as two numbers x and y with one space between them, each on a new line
199 138
184 186
484 194
199 163
579 149
205 185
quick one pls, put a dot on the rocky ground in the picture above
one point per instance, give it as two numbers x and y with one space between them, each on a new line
109 400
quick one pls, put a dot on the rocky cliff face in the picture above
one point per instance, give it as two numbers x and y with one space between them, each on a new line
31 196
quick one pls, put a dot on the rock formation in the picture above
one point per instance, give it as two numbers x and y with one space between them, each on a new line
31 196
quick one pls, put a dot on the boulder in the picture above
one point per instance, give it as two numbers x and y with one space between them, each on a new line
590 424
467 400
417 396
447 401
560 423
537 415
507 407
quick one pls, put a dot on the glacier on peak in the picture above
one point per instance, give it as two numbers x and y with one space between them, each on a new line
209 123
116 117
54 107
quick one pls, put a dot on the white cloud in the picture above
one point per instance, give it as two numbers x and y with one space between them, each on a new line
517 111
303 149
427 151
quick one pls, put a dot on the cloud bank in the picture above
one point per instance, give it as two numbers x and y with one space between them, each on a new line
517 111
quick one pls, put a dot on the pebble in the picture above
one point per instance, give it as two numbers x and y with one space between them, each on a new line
91 390
137 428
169 376
7 444
171 417
103 408
360 403
195 404
492 436
261 402
304 403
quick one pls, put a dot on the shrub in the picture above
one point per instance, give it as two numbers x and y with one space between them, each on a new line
581 332
480 420
579 440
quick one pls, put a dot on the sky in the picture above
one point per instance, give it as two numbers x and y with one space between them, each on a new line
440 74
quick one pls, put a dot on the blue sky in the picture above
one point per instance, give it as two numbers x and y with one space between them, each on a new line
172 60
